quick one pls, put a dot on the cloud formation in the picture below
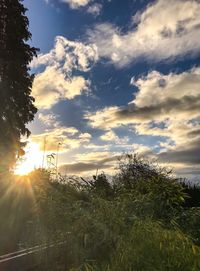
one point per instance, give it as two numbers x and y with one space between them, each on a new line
75 4
165 106
164 113
49 120
110 136
91 162
79 167
159 98
164 30
52 85
69 137
95 9
57 81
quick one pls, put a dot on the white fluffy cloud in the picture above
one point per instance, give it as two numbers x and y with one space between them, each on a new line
156 88
95 9
70 55
69 137
111 136
57 81
53 85
166 106
160 97
75 4
49 120
183 140
164 30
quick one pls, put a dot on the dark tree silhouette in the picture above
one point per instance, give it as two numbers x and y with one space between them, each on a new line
193 192
16 102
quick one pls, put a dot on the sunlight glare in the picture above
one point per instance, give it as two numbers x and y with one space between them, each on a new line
31 160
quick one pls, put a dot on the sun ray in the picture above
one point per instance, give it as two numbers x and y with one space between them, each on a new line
30 161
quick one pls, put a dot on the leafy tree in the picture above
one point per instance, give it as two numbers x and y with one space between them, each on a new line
133 169
137 176
17 107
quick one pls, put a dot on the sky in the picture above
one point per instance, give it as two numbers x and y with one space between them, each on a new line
112 77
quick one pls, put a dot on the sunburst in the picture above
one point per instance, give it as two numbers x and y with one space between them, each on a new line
31 160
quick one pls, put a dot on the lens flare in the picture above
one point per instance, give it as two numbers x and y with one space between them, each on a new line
30 161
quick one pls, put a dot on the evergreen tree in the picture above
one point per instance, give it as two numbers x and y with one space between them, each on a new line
16 102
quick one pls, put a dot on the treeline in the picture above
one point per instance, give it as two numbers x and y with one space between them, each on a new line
142 218
193 192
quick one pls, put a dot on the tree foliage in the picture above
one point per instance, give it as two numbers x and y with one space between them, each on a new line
17 107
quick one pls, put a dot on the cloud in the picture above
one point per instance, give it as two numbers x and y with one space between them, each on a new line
181 149
85 137
52 85
165 106
111 136
143 150
49 120
185 154
95 9
95 147
100 160
88 5
179 132
190 172
69 137
93 156
177 97
79 167
91 162
57 81
75 4
70 55
164 87
163 31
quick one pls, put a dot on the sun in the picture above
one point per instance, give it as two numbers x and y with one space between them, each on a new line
31 160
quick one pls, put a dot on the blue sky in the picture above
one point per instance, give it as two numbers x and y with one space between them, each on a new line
115 76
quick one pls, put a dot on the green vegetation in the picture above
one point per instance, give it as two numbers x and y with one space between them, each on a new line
140 219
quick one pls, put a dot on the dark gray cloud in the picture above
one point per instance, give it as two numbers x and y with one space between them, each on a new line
187 104
194 133
80 167
189 172
188 154
186 107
